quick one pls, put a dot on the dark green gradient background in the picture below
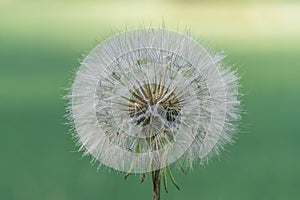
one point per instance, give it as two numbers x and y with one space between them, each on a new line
41 43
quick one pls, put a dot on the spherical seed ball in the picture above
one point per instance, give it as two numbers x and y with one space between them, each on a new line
146 98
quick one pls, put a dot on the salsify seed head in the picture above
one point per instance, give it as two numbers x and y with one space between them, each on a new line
147 98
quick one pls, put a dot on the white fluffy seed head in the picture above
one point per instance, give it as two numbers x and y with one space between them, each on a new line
150 97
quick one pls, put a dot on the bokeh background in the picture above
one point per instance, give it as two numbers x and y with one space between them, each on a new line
41 43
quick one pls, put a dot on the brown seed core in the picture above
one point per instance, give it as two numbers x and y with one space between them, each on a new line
153 94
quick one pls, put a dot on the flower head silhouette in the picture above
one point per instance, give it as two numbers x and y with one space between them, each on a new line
150 97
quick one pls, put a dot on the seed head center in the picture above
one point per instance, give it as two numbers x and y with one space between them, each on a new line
153 101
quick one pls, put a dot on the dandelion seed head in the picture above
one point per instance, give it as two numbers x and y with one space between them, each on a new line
146 98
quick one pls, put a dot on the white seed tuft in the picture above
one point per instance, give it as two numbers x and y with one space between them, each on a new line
150 97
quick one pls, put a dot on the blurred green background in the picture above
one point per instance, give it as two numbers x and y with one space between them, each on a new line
41 43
